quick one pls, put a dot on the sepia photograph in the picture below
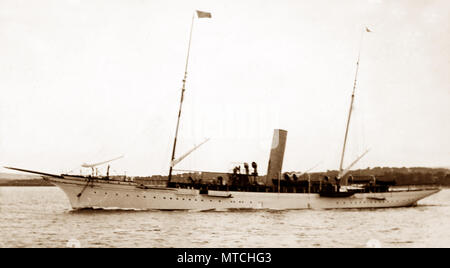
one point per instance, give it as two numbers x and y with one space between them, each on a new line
211 124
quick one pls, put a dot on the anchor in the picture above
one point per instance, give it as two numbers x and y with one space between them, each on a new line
84 188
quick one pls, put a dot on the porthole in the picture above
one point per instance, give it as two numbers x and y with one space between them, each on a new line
154 197
127 195
106 193
117 194
137 195
164 197
144 196
170 198
177 198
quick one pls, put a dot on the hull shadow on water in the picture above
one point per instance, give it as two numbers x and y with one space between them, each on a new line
236 210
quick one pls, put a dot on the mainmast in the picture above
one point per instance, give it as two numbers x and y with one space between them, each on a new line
351 103
200 14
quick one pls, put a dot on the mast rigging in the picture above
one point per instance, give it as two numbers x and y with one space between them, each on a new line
183 88
351 104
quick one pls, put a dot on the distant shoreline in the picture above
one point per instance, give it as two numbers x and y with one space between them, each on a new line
27 185
43 183
24 183
402 176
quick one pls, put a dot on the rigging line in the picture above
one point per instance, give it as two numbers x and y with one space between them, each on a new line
361 128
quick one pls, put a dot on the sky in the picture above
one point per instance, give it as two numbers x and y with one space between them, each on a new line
86 81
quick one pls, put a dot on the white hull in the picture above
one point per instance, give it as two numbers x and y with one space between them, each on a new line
126 195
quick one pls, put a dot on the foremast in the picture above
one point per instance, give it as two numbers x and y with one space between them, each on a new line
341 169
200 14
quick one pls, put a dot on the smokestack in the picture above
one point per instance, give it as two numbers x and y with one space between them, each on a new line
276 155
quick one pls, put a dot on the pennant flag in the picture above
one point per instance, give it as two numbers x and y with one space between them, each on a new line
202 14
368 30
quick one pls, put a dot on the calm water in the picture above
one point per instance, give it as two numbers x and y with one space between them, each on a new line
42 217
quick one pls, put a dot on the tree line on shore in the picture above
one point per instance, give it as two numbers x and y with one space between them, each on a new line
401 176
